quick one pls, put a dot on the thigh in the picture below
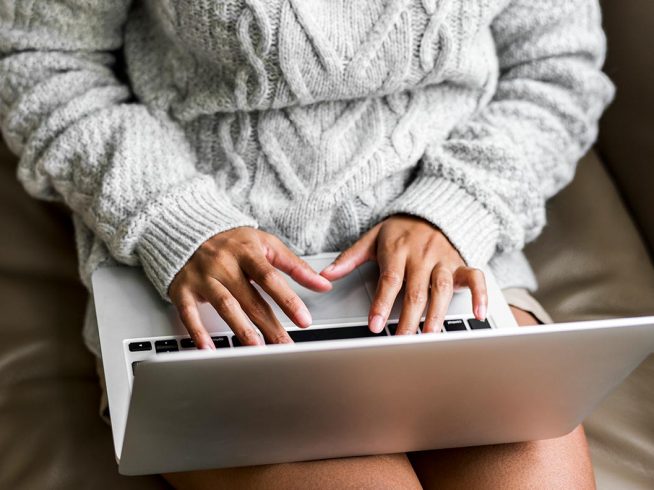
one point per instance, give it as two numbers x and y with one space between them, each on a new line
563 462
368 472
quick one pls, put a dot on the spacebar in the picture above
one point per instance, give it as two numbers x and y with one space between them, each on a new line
338 333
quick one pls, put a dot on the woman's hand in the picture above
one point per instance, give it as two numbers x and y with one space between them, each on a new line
220 272
411 250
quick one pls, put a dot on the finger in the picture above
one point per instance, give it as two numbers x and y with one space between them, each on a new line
475 280
286 261
271 281
187 309
442 289
359 253
415 298
391 276
230 310
259 311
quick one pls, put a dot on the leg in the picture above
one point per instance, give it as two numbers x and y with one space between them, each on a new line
369 472
554 463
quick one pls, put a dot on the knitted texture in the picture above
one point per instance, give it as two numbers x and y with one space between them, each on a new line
310 119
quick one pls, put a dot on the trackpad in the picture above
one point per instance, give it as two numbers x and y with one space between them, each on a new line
348 298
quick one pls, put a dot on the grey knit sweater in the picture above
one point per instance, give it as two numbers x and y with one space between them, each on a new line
310 119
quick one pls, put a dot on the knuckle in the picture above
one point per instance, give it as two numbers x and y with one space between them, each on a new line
416 297
263 235
280 338
477 274
185 310
209 251
268 276
248 336
232 242
391 278
291 302
251 248
207 247
225 302
442 282
401 240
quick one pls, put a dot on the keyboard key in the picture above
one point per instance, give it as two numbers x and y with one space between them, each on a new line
161 350
169 345
139 346
187 343
478 324
220 341
339 333
134 364
455 325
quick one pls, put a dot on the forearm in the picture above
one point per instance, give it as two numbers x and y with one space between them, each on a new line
128 173
500 166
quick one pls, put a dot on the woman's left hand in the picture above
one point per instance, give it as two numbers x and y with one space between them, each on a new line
411 250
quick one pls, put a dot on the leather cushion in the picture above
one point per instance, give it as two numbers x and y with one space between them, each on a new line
627 129
591 263
50 433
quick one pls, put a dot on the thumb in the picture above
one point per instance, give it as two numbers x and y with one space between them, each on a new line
359 253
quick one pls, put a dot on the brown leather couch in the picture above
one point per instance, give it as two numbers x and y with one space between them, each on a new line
594 260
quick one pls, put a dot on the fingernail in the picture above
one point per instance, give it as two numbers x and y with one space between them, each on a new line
481 312
304 317
377 323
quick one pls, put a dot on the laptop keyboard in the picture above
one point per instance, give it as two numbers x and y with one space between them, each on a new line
309 335
141 349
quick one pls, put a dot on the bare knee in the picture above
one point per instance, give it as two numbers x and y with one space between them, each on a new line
368 472
562 462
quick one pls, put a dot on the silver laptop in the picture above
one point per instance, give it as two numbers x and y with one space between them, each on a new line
340 390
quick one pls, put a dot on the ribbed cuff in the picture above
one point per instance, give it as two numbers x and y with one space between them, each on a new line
186 220
469 226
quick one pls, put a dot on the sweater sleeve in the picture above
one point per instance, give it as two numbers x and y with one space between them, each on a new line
127 172
485 187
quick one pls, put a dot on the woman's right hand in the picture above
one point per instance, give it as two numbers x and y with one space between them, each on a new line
221 272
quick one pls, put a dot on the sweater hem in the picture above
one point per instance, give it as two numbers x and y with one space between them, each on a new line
181 227
467 224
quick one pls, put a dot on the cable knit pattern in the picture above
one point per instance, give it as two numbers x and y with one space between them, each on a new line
311 119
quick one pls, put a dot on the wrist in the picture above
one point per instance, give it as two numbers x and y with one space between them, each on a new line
186 220
463 220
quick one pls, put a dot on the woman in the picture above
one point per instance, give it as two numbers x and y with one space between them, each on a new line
212 142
